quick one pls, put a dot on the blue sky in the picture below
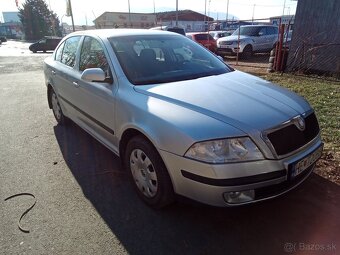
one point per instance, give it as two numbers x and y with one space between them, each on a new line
88 10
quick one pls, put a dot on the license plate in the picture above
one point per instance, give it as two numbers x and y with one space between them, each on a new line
224 46
306 162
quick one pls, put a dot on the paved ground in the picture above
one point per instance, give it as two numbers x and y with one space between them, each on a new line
85 204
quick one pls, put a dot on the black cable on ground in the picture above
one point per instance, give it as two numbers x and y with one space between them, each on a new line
23 194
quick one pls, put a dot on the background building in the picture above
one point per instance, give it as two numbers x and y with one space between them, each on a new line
12 27
285 19
125 20
11 17
189 20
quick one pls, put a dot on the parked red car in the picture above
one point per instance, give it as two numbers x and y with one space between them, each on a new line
205 39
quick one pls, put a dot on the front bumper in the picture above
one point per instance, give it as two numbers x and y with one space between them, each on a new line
229 49
209 184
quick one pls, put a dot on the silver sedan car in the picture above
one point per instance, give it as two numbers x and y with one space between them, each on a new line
182 121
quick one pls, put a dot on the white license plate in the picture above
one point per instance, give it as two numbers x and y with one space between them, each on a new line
306 162
225 46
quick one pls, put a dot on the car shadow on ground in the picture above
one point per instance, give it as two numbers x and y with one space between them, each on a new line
306 215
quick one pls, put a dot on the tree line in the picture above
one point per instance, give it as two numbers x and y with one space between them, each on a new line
38 20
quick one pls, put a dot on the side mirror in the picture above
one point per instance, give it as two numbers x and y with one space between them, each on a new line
93 74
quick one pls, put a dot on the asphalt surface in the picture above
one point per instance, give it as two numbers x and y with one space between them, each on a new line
86 204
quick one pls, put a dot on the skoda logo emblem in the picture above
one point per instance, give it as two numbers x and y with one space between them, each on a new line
300 123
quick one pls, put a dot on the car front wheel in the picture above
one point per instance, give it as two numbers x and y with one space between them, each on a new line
148 173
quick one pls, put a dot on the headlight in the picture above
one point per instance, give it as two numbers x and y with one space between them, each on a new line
225 151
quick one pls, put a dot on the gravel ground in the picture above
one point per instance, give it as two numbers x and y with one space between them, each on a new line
86 205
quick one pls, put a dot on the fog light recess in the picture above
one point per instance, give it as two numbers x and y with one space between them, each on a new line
239 197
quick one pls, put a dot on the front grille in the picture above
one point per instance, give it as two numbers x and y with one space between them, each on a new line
290 138
226 43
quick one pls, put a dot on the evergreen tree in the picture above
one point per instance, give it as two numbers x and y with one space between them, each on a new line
37 20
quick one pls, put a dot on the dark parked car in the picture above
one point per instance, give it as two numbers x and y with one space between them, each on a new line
177 30
45 44
3 39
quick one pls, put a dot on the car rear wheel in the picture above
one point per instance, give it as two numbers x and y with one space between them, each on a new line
148 173
57 112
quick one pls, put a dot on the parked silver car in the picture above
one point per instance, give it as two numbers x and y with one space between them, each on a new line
182 121
249 39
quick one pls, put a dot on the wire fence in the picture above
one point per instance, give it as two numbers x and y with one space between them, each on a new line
257 45
256 48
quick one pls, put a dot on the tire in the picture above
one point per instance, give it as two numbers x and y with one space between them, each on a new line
272 53
247 52
148 173
57 112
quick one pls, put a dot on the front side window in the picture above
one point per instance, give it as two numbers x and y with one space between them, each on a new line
70 51
148 59
271 30
92 55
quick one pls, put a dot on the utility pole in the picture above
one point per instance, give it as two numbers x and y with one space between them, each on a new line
71 14
129 13
284 6
252 19
176 13
227 14
205 10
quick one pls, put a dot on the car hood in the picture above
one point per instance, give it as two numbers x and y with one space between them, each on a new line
238 99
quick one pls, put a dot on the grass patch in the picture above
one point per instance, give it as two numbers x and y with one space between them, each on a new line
324 97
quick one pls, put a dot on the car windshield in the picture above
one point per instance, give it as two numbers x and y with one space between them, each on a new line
150 59
248 31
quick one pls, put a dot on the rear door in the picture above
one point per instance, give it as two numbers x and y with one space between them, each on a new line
273 34
260 40
63 75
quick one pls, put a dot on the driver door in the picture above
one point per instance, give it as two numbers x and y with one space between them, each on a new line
96 100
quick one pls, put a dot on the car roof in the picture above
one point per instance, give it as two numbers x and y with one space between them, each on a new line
218 31
106 33
258 26
197 33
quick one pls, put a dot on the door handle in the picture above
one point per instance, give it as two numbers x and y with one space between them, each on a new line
53 72
75 84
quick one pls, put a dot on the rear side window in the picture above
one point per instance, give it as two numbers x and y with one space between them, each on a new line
59 52
202 37
271 30
69 52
